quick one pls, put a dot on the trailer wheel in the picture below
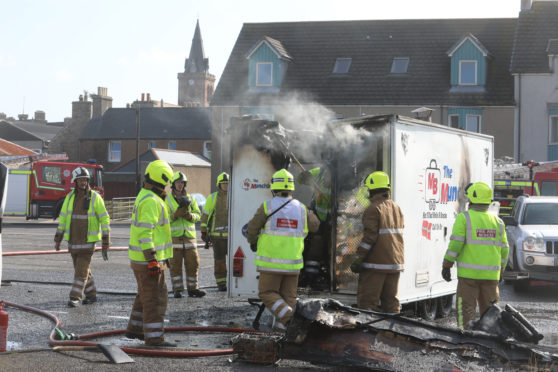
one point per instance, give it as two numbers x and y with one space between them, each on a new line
428 309
445 304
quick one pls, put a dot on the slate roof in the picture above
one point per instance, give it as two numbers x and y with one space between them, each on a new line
12 132
175 158
44 131
535 27
155 123
372 45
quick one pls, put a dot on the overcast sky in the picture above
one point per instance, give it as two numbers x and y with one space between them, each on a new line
53 50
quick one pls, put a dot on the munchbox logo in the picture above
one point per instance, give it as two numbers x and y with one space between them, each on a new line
252 184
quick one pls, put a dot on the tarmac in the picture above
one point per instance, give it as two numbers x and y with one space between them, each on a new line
43 282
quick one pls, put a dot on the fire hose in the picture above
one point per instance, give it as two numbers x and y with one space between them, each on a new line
77 340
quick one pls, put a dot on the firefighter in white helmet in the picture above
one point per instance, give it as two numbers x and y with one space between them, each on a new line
479 245
380 256
215 228
150 249
184 213
83 221
276 233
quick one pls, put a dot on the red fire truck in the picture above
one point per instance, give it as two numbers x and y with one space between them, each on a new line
38 190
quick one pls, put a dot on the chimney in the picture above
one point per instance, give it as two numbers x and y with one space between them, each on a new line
22 117
101 101
143 97
148 97
40 116
526 4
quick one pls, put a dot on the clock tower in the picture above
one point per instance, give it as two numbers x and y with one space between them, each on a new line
196 84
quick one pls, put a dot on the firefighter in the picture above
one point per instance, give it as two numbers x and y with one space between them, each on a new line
215 226
276 233
150 249
184 213
479 244
316 257
83 222
380 256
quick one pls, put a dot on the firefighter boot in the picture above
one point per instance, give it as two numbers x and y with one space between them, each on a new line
222 287
196 293
177 294
89 300
136 336
74 302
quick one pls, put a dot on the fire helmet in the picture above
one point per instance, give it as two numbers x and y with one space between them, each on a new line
282 180
377 180
179 176
160 172
479 193
80 172
222 178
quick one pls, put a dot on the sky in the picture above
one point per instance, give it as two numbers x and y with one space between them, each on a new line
51 51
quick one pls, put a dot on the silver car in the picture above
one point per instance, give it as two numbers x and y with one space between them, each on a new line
532 230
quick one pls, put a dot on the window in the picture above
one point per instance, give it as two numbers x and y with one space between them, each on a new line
540 214
399 65
553 137
453 121
548 188
172 145
264 74
472 124
115 151
52 174
467 72
151 145
342 65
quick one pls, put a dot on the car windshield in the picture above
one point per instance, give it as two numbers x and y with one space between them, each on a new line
541 214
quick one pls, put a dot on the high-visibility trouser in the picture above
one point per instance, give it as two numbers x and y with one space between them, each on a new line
278 293
377 288
150 305
83 278
469 293
186 252
220 256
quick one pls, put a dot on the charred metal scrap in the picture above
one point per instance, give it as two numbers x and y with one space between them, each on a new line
326 331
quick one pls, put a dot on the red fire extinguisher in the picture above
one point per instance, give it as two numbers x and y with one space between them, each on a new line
3 327
238 263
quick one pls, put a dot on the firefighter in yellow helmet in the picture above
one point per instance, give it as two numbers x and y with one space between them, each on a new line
276 233
184 213
380 256
215 228
479 245
83 222
150 249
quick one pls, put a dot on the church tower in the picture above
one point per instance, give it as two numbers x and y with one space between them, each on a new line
196 84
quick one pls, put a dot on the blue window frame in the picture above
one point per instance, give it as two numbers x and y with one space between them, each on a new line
553 135
172 145
264 74
115 151
473 123
467 72
151 145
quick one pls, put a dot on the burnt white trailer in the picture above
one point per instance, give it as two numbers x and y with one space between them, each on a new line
429 166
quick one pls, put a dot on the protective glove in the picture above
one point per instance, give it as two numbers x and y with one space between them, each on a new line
254 247
184 201
204 236
105 252
57 246
446 274
355 265
153 268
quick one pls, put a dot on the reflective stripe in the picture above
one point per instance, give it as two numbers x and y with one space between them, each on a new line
139 262
505 245
79 216
312 263
280 325
105 227
81 246
220 280
457 238
322 210
284 311
153 325
263 268
311 269
279 260
103 214
478 267
60 229
367 265
222 228
365 245
136 323
76 290
62 214
143 224
79 282
92 233
179 277
92 214
145 240
277 304
137 313
390 231
504 260
153 334
89 289
452 253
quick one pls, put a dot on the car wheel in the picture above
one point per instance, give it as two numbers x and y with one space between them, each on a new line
428 309
445 304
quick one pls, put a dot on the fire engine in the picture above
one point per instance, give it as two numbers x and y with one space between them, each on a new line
539 183
38 190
